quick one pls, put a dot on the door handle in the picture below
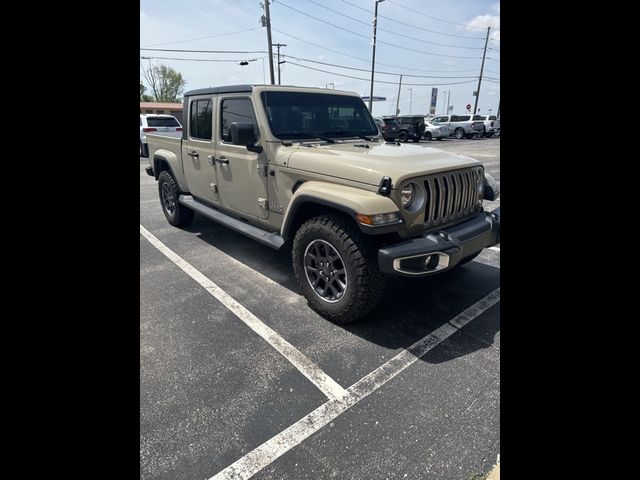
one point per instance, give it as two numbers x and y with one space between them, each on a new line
193 154
210 158
222 160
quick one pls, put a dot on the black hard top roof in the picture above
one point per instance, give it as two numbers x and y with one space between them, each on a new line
224 89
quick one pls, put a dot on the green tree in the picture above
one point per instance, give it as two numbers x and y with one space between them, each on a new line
167 84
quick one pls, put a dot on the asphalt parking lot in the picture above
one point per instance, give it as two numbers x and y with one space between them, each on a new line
239 378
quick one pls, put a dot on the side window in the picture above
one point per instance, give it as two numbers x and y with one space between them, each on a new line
200 120
238 110
478 117
140 121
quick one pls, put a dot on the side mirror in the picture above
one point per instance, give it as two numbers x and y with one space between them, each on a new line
242 134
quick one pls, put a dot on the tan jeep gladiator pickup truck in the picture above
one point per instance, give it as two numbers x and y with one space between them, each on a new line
308 168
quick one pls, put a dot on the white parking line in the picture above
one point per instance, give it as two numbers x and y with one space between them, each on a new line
319 378
269 451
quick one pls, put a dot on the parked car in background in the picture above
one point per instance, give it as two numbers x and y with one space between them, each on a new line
491 125
160 124
393 131
417 122
461 126
435 131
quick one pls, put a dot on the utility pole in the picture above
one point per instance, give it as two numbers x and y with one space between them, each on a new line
373 57
279 62
484 54
444 100
410 99
498 109
398 99
448 98
267 21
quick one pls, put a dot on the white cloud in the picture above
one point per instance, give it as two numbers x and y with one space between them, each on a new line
489 20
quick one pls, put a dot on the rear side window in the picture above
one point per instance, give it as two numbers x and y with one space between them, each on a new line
460 118
200 120
162 122
238 110
478 117
492 117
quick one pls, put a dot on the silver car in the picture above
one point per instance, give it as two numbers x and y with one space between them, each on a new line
461 126
435 131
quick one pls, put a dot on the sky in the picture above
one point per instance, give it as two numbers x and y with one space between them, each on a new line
430 40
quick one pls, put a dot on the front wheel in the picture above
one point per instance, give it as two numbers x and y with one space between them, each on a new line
427 136
337 269
459 133
177 214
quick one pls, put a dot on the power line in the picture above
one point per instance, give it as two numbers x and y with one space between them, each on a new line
496 73
201 51
435 18
202 38
414 26
490 78
368 70
391 31
367 37
202 59
378 81
365 60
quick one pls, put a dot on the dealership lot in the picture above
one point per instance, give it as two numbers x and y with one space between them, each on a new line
239 377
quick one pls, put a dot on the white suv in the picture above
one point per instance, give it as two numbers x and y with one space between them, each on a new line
161 124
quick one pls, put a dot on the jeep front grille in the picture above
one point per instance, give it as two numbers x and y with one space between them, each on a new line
451 196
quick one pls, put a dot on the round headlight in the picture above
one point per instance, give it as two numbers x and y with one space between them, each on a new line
407 194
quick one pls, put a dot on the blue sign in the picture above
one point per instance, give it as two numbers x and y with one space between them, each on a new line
434 99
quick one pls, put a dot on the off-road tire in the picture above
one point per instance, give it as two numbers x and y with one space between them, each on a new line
181 216
365 283
402 137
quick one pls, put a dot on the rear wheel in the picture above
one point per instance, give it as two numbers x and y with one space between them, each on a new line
177 214
336 267
427 136
402 137
459 133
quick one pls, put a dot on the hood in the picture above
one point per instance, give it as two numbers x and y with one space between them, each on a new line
369 165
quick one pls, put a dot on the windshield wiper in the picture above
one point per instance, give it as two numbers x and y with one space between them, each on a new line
369 138
374 138
304 135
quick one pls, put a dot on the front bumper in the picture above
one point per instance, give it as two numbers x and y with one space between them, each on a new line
443 249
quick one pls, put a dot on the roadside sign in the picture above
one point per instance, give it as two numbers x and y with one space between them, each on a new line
468 106
434 99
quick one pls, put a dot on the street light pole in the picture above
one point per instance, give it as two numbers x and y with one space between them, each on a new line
410 98
373 57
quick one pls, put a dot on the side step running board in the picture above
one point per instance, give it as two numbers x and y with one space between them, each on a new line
269 239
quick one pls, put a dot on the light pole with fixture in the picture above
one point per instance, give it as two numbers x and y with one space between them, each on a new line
373 56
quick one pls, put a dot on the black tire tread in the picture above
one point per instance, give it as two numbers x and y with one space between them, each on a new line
183 215
360 253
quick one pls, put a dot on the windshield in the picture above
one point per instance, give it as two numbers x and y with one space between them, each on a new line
302 115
